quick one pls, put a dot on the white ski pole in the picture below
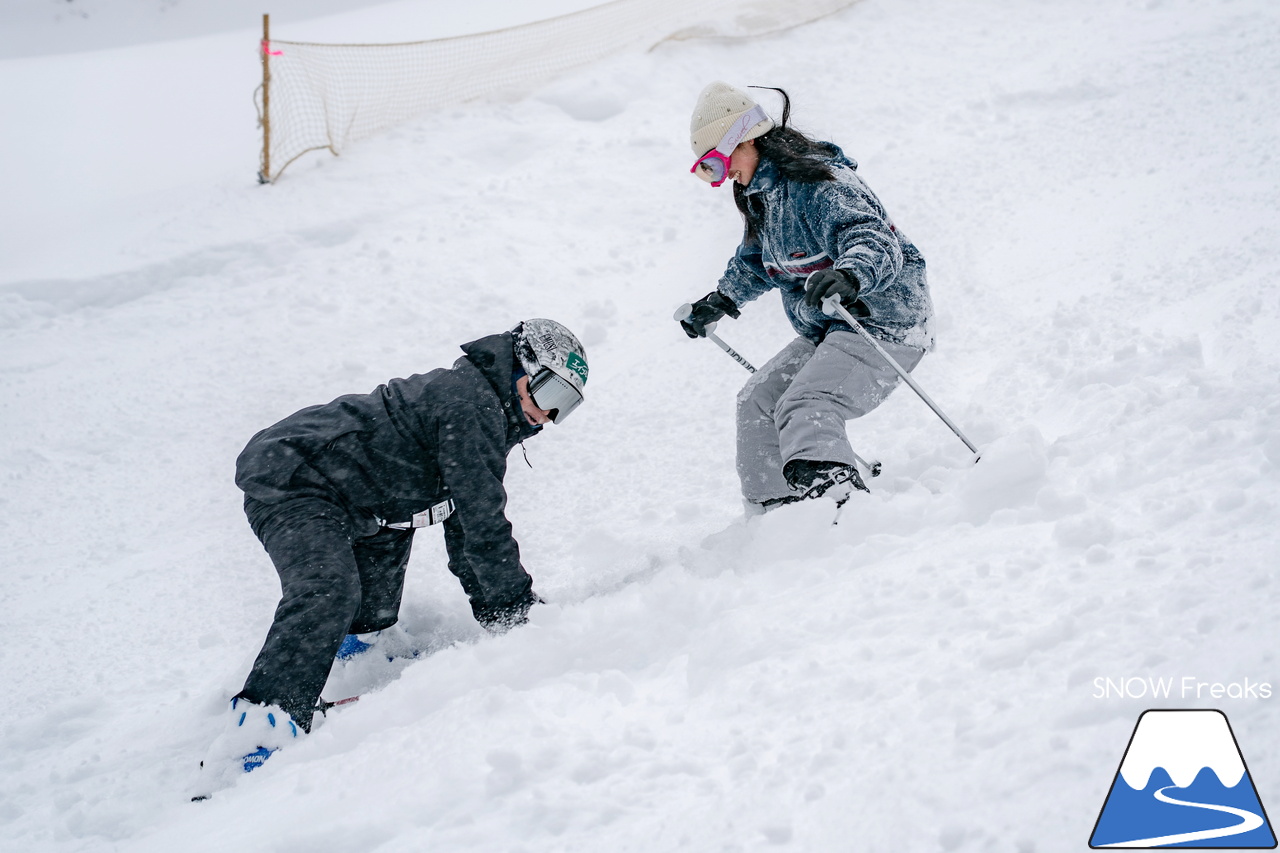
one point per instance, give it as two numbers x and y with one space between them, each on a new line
831 305
683 312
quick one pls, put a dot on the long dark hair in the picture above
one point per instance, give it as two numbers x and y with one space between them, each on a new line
798 157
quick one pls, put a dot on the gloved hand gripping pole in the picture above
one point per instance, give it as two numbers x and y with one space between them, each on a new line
683 312
831 306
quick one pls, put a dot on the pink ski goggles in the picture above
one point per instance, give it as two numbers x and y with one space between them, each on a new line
713 167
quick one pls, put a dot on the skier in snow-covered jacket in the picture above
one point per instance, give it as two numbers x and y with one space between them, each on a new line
335 492
813 228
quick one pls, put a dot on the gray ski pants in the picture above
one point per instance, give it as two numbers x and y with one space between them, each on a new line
796 406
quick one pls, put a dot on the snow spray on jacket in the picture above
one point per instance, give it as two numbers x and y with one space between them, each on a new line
409 445
804 227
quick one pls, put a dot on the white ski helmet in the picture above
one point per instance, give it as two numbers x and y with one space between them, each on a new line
556 363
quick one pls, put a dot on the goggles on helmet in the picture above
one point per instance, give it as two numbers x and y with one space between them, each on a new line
713 167
554 394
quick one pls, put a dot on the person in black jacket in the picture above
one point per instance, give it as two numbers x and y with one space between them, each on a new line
335 492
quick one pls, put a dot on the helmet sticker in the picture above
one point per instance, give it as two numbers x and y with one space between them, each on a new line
576 363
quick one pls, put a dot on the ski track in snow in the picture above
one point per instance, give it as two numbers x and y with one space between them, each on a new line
1248 822
1094 186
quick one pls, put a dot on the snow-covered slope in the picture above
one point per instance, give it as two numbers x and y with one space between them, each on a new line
1094 185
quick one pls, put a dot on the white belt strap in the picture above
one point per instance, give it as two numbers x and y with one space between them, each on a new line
429 516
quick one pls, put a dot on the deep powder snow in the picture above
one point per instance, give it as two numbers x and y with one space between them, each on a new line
1094 185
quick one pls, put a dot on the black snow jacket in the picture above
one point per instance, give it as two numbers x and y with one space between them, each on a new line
407 446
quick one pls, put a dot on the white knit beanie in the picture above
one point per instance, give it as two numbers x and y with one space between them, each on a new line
718 106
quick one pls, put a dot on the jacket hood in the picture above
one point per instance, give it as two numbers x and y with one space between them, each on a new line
768 174
494 356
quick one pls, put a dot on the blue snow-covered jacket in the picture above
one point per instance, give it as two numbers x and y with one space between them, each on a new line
804 227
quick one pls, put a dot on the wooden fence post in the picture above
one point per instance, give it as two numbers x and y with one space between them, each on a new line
264 176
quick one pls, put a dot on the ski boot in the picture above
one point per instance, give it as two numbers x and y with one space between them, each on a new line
354 645
391 643
252 734
812 479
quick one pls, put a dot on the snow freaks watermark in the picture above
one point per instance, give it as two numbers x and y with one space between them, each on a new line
1186 687
1183 782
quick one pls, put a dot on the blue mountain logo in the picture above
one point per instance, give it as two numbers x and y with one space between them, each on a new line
1183 783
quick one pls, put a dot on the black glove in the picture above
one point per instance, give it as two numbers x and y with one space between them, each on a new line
706 311
500 620
824 283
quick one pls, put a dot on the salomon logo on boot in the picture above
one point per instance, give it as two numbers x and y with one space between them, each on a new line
254 760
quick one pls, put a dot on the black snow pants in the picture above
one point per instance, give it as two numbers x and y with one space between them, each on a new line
337 577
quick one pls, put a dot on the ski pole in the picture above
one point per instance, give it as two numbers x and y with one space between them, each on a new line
831 305
683 312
